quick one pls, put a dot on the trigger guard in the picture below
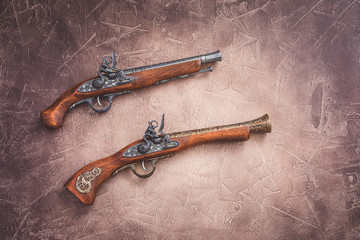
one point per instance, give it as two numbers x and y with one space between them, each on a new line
144 175
101 110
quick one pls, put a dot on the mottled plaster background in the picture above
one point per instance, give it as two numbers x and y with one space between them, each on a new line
296 60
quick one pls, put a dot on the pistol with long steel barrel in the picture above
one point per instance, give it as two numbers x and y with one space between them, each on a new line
155 145
112 82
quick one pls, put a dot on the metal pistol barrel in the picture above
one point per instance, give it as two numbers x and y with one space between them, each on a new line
205 58
210 57
258 125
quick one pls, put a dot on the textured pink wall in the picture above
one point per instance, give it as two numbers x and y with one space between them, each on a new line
296 60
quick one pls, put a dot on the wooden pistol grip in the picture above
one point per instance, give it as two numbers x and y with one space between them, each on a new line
53 117
87 192
85 183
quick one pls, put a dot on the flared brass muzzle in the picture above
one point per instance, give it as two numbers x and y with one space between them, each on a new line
259 125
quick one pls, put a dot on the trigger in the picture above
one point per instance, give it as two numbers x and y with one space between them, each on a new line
98 100
143 165
144 175
100 110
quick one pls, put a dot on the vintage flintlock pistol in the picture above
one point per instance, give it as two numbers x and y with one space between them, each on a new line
112 81
154 146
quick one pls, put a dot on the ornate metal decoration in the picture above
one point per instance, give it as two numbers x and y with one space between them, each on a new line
108 76
153 142
83 181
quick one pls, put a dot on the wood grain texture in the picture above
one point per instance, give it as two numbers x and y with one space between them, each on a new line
110 164
53 117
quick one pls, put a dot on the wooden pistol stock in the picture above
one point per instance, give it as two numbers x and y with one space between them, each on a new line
112 81
85 183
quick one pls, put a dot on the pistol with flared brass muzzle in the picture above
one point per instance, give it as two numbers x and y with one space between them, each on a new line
153 146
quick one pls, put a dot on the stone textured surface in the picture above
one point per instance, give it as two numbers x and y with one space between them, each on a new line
296 60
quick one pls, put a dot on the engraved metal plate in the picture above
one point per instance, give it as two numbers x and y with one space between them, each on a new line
83 181
88 86
133 151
